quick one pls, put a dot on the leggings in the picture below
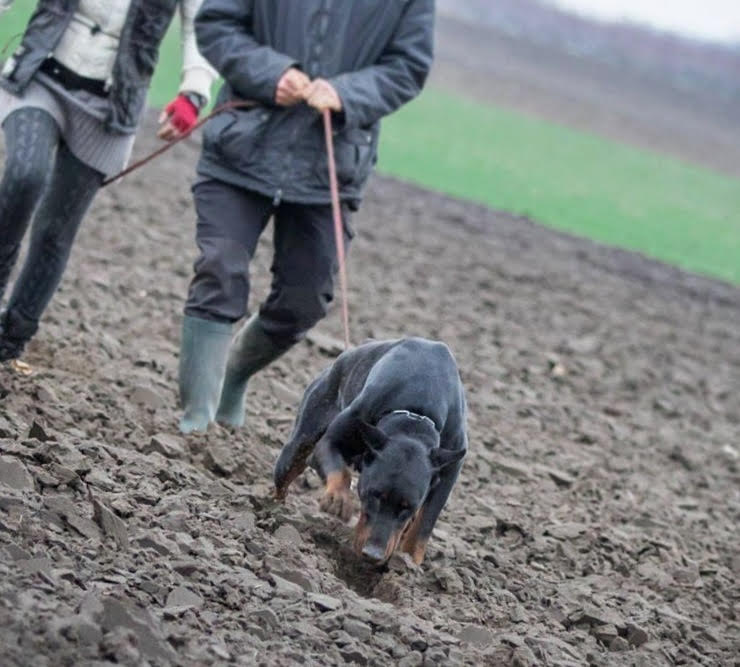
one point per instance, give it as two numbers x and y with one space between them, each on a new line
41 175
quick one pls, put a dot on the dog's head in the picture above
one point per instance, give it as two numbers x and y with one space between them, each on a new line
396 475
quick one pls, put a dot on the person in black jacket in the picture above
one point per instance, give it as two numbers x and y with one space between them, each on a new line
363 60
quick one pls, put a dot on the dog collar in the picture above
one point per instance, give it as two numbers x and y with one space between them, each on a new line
415 416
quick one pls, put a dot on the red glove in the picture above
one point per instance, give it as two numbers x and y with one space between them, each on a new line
182 113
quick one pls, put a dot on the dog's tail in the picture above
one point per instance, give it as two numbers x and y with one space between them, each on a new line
291 463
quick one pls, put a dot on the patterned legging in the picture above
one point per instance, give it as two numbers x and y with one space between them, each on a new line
41 175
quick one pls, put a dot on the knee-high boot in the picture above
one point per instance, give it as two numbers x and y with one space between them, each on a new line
251 350
203 351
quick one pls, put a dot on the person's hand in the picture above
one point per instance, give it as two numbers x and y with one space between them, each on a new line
290 87
320 95
178 117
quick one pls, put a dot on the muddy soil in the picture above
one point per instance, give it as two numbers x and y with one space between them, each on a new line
595 521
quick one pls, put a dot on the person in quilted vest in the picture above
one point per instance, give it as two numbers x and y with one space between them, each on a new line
71 99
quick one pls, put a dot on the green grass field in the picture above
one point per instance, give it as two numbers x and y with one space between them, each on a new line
577 182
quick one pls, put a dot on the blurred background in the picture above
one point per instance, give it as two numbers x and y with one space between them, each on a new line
618 120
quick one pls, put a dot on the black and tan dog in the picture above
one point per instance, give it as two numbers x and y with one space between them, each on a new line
395 411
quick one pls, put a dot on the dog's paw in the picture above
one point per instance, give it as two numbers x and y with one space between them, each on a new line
416 548
337 498
338 503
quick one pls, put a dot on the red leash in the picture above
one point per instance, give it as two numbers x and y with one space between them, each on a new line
242 104
338 226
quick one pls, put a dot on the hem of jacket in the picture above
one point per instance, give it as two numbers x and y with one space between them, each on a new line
17 90
209 167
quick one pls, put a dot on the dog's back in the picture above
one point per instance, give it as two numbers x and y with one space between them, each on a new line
412 373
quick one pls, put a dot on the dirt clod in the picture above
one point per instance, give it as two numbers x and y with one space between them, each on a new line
476 635
183 597
357 629
413 659
38 432
619 644
111 525
146 397
325 602
14 474
168 445
218 459
636 636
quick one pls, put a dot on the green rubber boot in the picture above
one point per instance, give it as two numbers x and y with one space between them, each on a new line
203 351
250 352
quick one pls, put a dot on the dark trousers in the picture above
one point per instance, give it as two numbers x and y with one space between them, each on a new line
45 182
230 221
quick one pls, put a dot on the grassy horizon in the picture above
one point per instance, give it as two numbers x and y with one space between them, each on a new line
578 182
575 181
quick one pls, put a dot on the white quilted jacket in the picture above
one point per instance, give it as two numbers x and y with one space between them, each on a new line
89 44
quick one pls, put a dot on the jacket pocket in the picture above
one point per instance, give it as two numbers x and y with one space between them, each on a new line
354 153
235 135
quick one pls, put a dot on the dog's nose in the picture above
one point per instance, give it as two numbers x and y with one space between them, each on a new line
373 552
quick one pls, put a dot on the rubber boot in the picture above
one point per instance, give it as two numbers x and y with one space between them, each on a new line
203 351
250 352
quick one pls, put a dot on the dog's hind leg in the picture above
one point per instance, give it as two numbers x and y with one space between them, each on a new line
317 410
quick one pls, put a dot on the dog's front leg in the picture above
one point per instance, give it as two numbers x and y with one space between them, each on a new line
330 464
416 536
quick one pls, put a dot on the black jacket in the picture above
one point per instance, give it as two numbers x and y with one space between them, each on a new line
377 54
145 27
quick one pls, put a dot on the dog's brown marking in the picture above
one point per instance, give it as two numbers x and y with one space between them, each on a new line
362 533
337 499
393 541
417 549
412 543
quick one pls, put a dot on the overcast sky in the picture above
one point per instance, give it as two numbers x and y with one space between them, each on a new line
712 19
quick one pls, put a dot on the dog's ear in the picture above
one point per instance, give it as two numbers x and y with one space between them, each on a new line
372 437
441 458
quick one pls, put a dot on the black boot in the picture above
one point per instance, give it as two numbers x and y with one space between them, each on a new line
15 332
